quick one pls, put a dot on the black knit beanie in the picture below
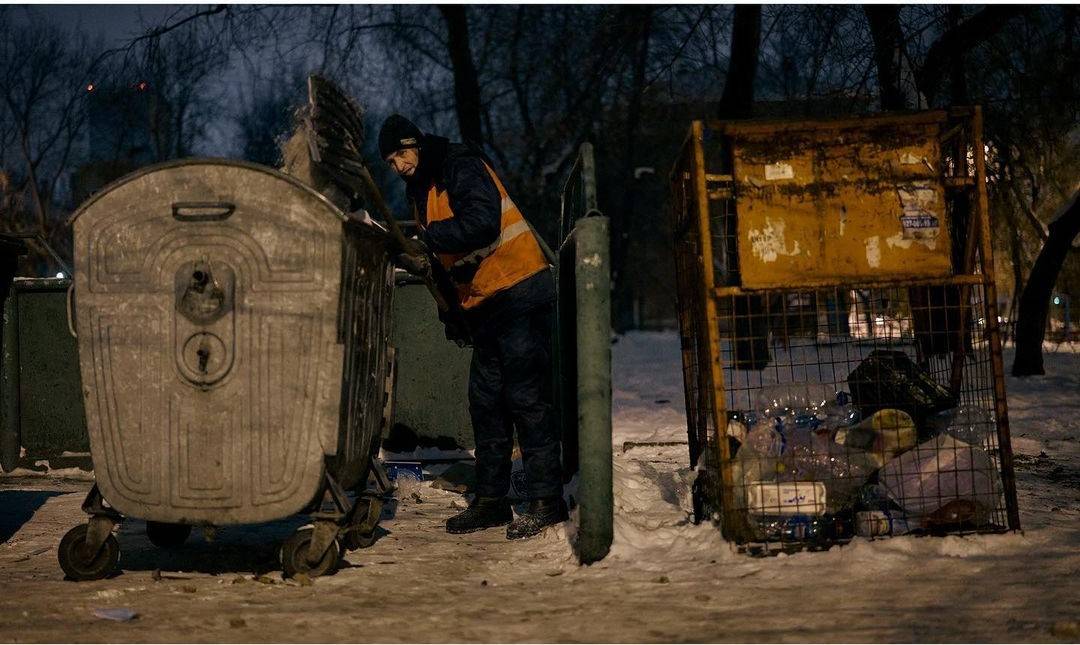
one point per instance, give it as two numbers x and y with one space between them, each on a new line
397 133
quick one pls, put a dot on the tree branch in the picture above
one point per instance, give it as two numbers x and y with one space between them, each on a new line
983 25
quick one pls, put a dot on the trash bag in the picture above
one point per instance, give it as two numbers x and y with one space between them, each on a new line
929 477
889 379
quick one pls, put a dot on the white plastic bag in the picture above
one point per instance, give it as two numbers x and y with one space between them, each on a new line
938 471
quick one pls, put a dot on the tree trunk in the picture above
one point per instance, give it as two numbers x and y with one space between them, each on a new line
1035 301
738 99
961 37
623 222
466 83
888 40
751 325
40 209
956 72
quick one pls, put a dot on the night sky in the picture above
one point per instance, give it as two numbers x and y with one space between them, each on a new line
117 24
114 22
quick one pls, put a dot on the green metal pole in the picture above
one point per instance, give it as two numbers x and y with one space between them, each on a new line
592 280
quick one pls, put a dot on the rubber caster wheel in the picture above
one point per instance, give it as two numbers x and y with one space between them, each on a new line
74 562
294 556
166 535
354 540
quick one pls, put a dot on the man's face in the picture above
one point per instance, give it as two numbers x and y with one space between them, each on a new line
404 161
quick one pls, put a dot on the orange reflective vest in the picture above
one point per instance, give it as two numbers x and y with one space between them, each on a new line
512 257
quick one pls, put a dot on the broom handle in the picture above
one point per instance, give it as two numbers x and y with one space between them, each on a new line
399 237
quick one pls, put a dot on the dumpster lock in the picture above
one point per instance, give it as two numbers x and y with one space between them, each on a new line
205 328
204 300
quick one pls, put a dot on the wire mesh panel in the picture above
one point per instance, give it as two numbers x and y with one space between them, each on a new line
857 398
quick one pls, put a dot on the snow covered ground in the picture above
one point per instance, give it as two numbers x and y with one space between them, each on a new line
665 579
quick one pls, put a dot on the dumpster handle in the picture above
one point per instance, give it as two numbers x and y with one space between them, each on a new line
68 302
202 211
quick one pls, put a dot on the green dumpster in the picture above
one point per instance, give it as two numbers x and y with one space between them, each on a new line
431 407
42 409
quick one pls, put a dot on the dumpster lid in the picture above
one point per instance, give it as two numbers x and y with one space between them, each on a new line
200 161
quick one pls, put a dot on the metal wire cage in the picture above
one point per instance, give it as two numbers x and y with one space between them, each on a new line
840 340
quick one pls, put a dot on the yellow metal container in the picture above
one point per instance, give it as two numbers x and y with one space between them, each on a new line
803 250
824 202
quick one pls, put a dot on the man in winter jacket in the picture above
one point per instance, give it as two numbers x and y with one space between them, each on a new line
506 291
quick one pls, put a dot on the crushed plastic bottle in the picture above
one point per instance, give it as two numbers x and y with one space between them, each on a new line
760 456
790 439
812 406
791 528
844 470
840 412
971 424
880 523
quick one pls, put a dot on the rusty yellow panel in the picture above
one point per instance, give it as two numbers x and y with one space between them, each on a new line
839 202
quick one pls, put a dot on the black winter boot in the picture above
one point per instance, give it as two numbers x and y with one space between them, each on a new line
542 513
483 513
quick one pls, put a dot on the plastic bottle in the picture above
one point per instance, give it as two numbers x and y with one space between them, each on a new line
791 528
839 412
794 400
971 424
759 457
767 438
880 523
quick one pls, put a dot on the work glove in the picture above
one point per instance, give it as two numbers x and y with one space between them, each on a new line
455 330
414 257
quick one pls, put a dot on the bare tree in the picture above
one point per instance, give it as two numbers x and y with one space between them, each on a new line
177 69
266 115
466 85
1034 302
889 53
738 99
43 84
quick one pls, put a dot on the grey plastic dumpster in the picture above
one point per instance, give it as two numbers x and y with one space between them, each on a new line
233 332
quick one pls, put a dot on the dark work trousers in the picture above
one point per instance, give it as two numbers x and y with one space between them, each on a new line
510 388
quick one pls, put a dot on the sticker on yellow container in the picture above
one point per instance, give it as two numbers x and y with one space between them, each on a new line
918 218
781 170
821 203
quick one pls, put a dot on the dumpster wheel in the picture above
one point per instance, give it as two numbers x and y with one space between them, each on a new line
356 539
166 535
294 552
76 563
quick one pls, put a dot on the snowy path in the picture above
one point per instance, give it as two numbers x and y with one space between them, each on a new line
666 580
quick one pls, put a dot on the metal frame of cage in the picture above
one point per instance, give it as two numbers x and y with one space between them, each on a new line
736 341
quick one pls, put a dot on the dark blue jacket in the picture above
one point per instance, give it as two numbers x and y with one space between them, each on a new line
461 170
